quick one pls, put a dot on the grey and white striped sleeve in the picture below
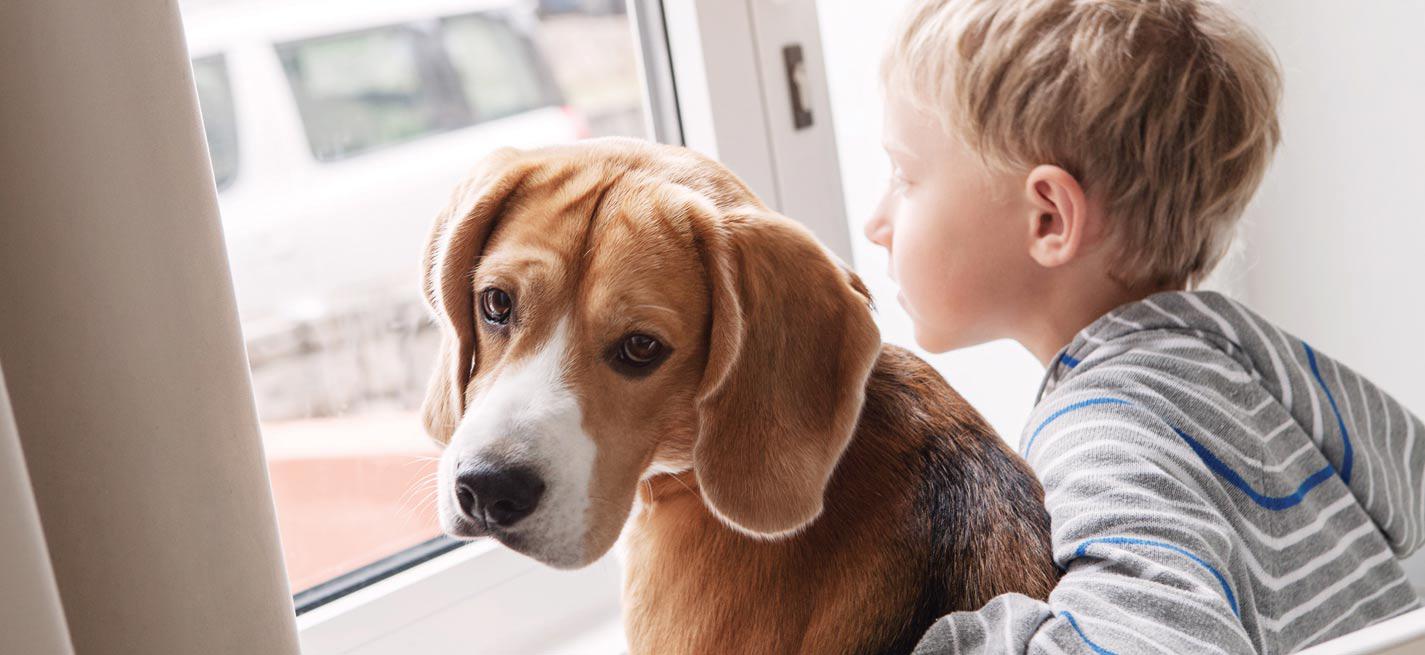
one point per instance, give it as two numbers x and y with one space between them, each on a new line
1216 485
1144 548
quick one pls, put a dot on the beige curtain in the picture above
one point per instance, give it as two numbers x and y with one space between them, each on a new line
30 615
123 358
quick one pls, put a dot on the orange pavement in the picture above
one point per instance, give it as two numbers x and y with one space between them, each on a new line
349 491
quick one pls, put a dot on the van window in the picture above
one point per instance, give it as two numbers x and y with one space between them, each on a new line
499 70
367 89
215 101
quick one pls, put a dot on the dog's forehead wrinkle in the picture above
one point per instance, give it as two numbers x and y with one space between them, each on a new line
581 262
520 260
659 308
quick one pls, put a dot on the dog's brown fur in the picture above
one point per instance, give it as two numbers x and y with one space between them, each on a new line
927 513
833 496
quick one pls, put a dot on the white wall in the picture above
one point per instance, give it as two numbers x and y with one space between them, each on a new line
1332 245
1332 250
1335 238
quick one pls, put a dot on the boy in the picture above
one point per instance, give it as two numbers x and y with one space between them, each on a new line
1064 169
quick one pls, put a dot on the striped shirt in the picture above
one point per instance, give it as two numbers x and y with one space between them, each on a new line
1215 486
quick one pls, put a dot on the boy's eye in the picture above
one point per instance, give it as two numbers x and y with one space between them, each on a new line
898 178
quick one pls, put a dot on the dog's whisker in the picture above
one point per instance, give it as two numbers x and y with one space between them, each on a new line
419 483
685 485
414 493
409 510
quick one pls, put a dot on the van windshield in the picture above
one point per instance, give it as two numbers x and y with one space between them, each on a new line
363 90
499 70
215 101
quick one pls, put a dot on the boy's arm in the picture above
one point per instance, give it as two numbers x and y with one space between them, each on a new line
1144 548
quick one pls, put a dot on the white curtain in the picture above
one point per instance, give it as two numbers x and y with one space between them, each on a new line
122 354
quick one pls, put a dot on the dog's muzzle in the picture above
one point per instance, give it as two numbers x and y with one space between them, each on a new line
493 497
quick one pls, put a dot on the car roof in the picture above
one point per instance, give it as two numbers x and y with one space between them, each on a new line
213 27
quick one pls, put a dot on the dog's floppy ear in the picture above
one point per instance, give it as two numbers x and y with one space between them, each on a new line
456 240
792 342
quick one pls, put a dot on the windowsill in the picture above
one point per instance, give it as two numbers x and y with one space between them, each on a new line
505 603
1398 636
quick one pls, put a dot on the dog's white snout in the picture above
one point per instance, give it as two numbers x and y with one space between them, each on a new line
520 462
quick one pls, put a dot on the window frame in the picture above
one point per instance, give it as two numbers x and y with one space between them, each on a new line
355 580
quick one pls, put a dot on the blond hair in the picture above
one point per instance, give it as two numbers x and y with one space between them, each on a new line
1166 109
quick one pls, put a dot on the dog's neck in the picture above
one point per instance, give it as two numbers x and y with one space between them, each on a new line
926 513
870 457
664 486
697 584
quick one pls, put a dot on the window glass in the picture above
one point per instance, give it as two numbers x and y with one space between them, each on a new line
498 71
363 90
325 258
215 99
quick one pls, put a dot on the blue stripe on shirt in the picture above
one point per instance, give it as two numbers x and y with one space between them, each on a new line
1275 503
1065 410
1095 647
1134 541
1217 466
1346 459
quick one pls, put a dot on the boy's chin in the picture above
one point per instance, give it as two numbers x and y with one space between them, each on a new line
939 338
932 342
943 341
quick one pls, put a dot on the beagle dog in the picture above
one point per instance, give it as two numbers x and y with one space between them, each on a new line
633 343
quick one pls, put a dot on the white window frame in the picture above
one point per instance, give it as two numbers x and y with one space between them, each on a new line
736 107
716 82
463 599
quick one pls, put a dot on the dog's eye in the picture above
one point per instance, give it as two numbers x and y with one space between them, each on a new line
637 354
495 305
640 350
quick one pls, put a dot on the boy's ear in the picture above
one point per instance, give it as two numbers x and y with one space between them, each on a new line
1060 220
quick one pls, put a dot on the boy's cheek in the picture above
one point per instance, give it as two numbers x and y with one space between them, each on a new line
929 327
944 302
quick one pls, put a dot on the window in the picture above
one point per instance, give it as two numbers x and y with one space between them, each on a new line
215 97
325 257
367 89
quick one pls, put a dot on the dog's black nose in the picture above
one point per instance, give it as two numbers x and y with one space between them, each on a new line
498 497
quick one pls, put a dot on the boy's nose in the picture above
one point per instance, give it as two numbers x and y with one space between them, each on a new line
878 229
